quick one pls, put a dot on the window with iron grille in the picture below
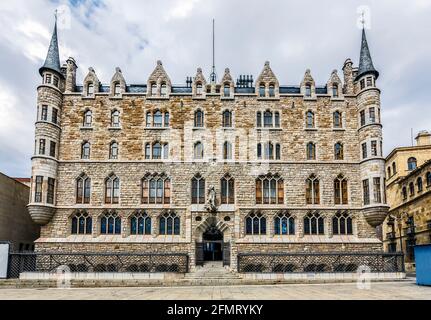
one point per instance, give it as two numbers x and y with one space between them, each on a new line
50 191
38 189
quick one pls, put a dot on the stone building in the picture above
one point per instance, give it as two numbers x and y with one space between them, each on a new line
211 168
16 225
409 195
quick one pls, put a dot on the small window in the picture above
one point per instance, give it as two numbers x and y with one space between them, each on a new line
167 120
113 151
378 190
44 114
154 89
394 168
52 149
259 151
54 117
42 146
271 90
259 119
56 81
117 89
362 84
366 191
199 119
199 151
374 152
90 89
88 119
226 91
308 90
363 122
199 89
277 119
364 151
38 189
404 192
412 164
85 152
227 151
149 119
335 93
262 90
48 78
428 179
369 81
227 119
310 123
420 184
339 151
115 119
311 151
163 90
50 191
338 120
372 115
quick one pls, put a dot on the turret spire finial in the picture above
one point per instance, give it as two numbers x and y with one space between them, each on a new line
366 65
52 61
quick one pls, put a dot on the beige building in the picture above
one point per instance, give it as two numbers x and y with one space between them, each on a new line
211 169
409 195
16 225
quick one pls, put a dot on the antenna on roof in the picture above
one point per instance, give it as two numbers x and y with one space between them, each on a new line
213 76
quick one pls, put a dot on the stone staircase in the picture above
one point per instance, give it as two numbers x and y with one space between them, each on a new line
212 273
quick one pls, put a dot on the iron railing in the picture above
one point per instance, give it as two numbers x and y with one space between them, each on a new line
97 263
320 262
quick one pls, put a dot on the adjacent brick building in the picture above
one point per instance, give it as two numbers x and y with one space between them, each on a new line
211 169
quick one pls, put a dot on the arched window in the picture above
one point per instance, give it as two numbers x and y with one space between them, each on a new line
115 119
163 90
340 190
412 189
112 190
311 151
312 193
226 91
277 119
420 184
338 120
227 190
269 151
338 151
147 151
83 189
156 190
113 151
167 119
199 89
284 224
428 179
88 119
255 224
314 224
259 151
85 150
404 193
310 124
198 151
90 89
140 224
259 119
82 223
154 89
271 90
198 190
269 190
227 151
277 151
394 168
149 119
335 90
267 119
199 119
169 224
389 172
110 223
157 151
308 90
117 89
262 90
157 119
166 151
412 164
342 224
227 119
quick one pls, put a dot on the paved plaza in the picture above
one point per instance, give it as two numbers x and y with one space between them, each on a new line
405 290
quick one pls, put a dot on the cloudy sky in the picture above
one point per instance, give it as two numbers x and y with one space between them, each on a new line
134 34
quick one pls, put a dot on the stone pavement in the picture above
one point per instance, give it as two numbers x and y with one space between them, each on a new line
405 290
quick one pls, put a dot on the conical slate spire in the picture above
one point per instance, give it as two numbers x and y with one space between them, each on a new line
365 61
52 61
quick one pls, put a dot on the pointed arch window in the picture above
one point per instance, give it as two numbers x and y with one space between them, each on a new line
340 191
88 119
227 119
342 224
259 151
338 120
198 190
169 224
157 119
255 224
310 123
404 192
412 164
110 223
112 189
314 224
311 151
394 168
156 190
199 119
83 189
149 119
412 189
113 150
157 151
82 223
312 193
198 151
277 119
115 119
85 150
259 119
140 224
284 224
227 151
339 151
269 190
227 190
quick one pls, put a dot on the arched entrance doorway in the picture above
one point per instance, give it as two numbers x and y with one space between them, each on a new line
213 244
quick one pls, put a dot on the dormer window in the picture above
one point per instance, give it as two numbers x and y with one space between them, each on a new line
271 90
163 90
226 91
262 90
335 93
308 90
154 89
199 89
90 89
117 89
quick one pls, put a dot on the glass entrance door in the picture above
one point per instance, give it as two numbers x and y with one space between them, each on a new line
213 251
